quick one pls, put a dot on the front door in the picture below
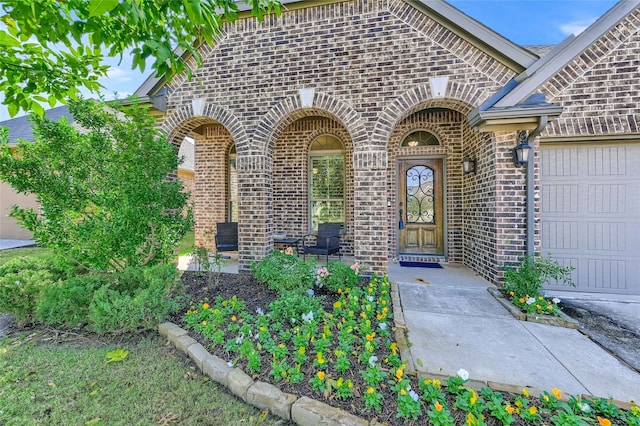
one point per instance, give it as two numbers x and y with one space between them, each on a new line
420 206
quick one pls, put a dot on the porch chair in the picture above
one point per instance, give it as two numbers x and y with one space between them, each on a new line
226 236
327 241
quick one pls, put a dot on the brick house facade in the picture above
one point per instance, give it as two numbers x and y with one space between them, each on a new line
370 73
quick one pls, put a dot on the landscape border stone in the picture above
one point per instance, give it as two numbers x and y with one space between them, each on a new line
562 320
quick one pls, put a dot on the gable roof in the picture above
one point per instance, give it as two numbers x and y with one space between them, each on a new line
518 102
22 127
447 15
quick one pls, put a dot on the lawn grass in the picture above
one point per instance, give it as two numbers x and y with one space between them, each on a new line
7 255
46 381
187 244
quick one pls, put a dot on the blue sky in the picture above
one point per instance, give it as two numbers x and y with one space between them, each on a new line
525 22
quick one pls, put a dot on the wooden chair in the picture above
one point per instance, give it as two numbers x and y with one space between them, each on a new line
226 236
327 241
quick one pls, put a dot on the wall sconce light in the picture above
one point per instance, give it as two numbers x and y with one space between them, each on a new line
468 165
522 151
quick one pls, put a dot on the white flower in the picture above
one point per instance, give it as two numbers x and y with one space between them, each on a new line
382 325
463 374
555 300
259 311
372 360
584 407
370 298
307 317
531 300
413 395
230 363
239 339
310 292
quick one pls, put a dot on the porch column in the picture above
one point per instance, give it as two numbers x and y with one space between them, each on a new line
370 222
255 216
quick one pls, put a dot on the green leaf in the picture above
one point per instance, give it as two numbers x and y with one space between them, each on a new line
100 7
8 41
117 355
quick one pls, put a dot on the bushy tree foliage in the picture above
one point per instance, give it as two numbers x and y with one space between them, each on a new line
51 49
106 201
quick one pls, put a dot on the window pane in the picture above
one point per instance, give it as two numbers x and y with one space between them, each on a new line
327 211
420 196
328 177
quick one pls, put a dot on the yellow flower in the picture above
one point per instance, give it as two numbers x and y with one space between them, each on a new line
519 404
233 318
204 323
546 398
604 422
533 410
403 392
363 315
525 392
550 307
522 300
474 397
337 305
399 373
205 306
540 298
321 375
281 345
511 293
370 336
437 406
302 350
349 384
557 393
384 302
394 348
371 390
538 306
510 409
339 291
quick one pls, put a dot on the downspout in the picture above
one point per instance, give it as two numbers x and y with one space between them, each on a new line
530 207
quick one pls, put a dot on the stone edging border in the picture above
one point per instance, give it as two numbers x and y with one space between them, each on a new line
563 320
403 346
303 410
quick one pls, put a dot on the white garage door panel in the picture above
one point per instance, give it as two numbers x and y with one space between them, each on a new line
590 214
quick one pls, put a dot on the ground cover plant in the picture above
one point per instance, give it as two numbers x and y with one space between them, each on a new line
335 343
51 377
523 284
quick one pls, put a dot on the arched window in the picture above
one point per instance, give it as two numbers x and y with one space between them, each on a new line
326 182
420 138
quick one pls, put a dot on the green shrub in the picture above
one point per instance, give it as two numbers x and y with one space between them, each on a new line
135 300
527 279
21 282
341 276
284 272
67 301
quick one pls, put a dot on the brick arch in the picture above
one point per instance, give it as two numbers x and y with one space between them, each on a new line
182 121
290 109
462 98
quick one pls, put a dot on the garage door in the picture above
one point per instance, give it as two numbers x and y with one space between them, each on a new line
590 211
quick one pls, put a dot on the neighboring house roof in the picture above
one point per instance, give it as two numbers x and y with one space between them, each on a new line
22 127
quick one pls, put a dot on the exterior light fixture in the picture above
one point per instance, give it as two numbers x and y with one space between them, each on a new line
468 165
522 151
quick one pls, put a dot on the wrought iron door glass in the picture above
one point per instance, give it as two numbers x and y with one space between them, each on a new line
420 197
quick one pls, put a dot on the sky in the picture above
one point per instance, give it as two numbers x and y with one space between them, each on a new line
525 22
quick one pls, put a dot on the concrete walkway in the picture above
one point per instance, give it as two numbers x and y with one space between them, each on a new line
6 244
453 322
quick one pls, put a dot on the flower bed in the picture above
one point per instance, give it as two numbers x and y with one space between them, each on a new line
335 344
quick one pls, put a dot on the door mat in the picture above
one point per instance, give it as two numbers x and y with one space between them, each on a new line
420 264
